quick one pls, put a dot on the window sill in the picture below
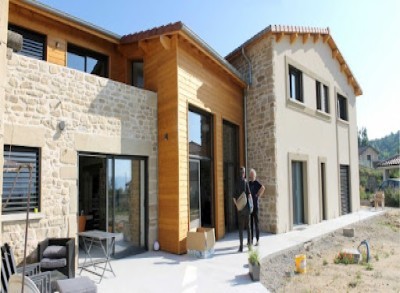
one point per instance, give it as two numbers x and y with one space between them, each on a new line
295 104
21 217
323 115
343 122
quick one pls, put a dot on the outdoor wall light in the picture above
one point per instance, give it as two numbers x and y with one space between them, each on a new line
58 45
165 136
61 125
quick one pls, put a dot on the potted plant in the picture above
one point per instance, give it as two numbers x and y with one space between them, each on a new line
254 265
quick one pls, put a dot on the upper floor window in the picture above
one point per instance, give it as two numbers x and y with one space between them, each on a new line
87 61
16 181
34 44
369 158
322 94
342 107
296 84
137 77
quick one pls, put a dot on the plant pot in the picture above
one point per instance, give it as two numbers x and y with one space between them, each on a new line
82 223
254 271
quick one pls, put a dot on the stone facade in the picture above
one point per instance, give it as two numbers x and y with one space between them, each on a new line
261 125
101 116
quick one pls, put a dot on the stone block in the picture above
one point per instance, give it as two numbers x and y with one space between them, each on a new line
348 232
68 156
68 173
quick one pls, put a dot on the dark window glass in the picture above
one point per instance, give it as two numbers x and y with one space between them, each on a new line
16 184
33 45
322 95
200 130
369 157
87 61
137 79
296 84
342 107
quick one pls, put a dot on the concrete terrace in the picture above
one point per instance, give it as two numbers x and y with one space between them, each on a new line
226 271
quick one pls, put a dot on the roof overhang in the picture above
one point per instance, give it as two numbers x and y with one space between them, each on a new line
305 34
67 19
180 29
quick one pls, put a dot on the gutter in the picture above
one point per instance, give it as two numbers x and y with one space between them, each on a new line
249 79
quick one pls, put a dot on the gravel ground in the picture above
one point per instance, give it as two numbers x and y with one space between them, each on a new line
382 274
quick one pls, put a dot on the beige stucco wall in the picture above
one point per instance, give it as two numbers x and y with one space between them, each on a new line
101 116
303 131
3 74
363 158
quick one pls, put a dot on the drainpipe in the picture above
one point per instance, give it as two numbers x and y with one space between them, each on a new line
249 70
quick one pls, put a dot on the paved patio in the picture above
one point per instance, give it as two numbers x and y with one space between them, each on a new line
226 271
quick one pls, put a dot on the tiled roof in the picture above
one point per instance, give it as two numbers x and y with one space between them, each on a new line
393 161
157 31
362 149
281 30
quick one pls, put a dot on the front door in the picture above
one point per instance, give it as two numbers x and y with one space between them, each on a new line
194 187
298 193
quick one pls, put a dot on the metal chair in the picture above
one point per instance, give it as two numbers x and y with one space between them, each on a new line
32 271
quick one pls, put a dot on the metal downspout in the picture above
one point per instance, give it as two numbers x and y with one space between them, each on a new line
245 106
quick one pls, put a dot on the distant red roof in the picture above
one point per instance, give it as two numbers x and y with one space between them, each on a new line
157 31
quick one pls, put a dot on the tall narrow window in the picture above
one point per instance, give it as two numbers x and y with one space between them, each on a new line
16 182
33 45
322 95
342 108
296 84
87 61
137 77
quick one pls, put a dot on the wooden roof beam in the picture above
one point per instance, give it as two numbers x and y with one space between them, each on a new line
316 38
293 37
279 36
335 53
343 67
165 42
325 38
305 38
144 46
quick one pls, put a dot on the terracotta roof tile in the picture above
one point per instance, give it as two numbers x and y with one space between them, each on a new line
393 161
157 31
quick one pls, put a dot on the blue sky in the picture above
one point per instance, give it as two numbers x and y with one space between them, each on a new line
366 31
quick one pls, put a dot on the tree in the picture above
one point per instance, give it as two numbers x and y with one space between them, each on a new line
363 137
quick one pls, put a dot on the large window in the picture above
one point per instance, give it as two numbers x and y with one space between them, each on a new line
322 95
296 84
16 182
137 78
33 45
342 107
87 61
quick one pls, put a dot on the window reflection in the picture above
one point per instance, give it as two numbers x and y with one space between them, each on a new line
199 134
87 61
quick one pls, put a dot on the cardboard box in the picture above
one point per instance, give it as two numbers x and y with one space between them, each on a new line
200 242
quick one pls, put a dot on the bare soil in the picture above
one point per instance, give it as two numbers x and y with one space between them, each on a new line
381 274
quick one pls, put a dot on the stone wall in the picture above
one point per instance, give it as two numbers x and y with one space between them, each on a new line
101 116
261 126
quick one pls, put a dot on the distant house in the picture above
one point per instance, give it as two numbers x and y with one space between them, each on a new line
389 165
368 156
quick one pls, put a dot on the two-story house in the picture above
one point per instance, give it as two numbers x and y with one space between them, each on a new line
368 156
301 125
143 134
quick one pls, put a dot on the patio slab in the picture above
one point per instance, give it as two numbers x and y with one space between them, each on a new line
226 271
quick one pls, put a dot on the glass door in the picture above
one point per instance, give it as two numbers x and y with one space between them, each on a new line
126 208
194 187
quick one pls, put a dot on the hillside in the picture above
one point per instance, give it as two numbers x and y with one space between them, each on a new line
387 146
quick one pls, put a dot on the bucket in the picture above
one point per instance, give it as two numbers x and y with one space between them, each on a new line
301 263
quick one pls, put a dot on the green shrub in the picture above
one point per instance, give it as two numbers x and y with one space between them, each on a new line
392 197
370 179
254 257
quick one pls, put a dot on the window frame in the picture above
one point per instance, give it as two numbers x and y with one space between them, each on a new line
20 150
298 80
322 96
85 53
31 35
132 82
342 104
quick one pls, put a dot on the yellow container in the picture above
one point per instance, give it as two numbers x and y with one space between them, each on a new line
301 263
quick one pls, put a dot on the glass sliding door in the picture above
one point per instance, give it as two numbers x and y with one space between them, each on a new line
112 193
126 213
